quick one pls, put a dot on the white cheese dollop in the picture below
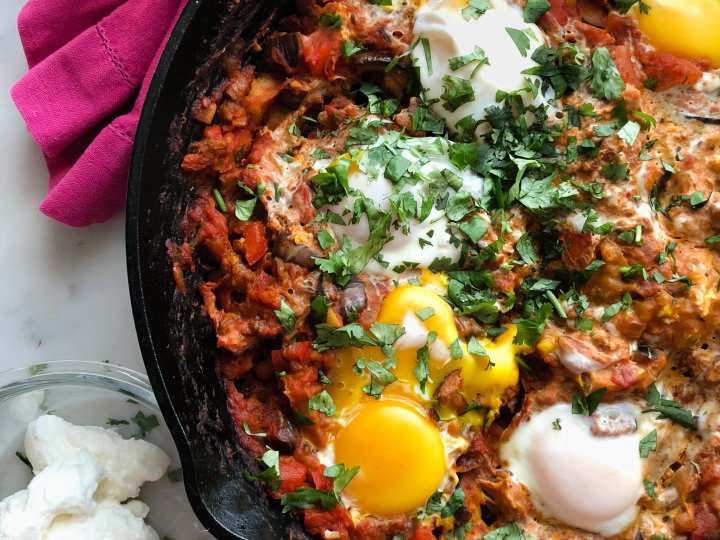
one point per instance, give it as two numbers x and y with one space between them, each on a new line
126 463
83 476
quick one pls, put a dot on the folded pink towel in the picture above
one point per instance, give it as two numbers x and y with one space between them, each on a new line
90 63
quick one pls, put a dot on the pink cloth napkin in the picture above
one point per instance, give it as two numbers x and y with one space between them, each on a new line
91 62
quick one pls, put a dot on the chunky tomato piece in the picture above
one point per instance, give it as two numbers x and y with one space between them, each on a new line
293 474
320 481
298 351
321 50
265 290
579 249
255 242
423 533
669 70
627 374
623 57
337 520
559 11
596 36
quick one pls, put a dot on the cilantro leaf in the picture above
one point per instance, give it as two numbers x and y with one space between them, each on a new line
244 209
475 8
606 81
331 21
521 38
629 132
145 423
512 531
271 475
286 316
348 261
478 55
380 376
614 309
648 444
526 250
475 229
425 313
306 497
650 490
457 92
422 369
623 6
587 405
348 48
614 171
534 9
342 476
322 402
530 329
668 408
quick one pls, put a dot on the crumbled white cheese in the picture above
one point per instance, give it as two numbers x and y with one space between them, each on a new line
83 476
126 463
105 524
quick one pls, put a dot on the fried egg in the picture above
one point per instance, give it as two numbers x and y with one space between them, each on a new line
373 174
451 37
687 28
404 454
583 470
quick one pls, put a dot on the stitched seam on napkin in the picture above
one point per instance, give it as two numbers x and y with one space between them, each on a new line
124 133
113 57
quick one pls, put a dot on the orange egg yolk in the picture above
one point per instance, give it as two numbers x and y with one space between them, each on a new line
400 454
687 28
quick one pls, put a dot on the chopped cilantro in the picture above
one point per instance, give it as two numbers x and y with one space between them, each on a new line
322 402
425 313
512 531
286 316
145 423
219 200
582 404
650 490
325 239
331 21
457 92
478 55
614 309
380 376
614 171
629 132
534 9
623 6
348 48
521 38
306 497
530 329
648 444
475 8
606 81
667 408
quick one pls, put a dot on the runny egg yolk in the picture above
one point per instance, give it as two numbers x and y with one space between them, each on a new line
687 28
485 380
400 454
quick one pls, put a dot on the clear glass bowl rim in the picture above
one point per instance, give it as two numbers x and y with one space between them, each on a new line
77 373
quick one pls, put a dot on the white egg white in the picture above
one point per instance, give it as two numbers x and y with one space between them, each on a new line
586 480
449 35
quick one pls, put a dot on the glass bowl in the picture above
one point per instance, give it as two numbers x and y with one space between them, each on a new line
92 394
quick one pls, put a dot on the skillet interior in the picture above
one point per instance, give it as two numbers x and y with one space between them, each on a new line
177 343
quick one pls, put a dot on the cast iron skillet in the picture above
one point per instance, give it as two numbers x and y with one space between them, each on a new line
176 339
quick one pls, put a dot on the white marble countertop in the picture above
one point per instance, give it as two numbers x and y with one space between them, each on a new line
63 291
